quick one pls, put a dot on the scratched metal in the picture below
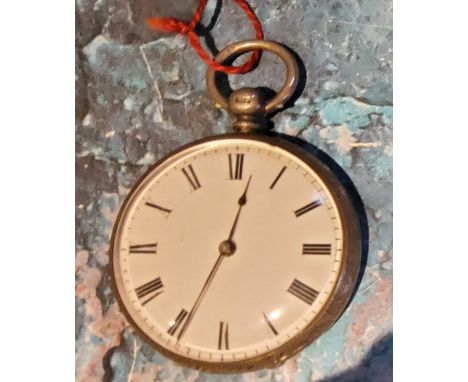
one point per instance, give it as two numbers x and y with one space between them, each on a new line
140 94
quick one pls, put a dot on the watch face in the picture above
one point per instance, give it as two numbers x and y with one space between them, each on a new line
229 252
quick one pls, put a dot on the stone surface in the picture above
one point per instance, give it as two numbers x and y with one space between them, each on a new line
140 94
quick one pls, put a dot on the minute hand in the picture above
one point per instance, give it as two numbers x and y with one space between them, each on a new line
222 254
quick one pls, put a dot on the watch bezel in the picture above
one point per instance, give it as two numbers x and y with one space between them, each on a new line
339 296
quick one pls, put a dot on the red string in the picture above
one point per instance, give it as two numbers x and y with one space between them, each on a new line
178 26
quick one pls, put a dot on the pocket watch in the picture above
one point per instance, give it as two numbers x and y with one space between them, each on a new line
236 251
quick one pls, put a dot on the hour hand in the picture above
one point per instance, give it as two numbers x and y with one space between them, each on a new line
243 199
242 202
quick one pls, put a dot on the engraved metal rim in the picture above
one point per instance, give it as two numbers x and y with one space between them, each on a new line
238 48
332 309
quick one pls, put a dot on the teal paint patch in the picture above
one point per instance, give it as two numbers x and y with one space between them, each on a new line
121 365
300 122
128 69
351 112
383 166
322 355
387 113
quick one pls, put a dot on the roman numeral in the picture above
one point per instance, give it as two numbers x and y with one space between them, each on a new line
270 325
307 208
277 178
166 210
236 166
316 249
152 287
144 248
223 339
191 177
303 291
177 322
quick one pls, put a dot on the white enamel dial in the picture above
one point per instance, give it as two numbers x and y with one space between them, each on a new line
227 250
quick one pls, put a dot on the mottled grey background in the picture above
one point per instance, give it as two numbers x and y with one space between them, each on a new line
140 94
